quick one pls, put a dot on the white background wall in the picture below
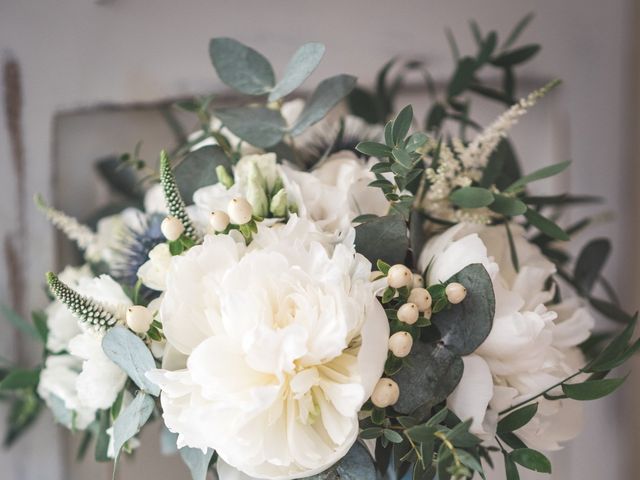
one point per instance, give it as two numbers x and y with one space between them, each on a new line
75 54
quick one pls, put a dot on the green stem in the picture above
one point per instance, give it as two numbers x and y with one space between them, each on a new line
518 405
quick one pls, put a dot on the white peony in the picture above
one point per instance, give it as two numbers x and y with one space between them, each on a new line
152 273
336 192
530 346
284 341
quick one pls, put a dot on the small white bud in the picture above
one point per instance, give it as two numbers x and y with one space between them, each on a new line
279 204
418 281
400 344
421 297
219 220
240 211
408 313
385 393
139 318
171 228
399 276
455 292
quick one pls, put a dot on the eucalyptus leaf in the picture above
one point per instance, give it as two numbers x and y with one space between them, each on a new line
465 326
196 461
129 352
471 197
198 169
545 225
540 174
259 126
241 67
508 206
301 65
589 264
374 149
383 238
357 464
401 124
168 441
121 177
592 389
131 420
462 77
327 95
430 374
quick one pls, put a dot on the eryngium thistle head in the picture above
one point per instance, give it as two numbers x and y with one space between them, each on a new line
82 307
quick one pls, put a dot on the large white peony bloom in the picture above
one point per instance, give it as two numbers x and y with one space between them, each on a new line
284 341
530 347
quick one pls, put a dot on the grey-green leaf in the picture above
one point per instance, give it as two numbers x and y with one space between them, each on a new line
592 389
508 206
383 238
590 262
198 169
241 67
327 95
471 197
401 124
357 464
196 461
545 172
129 352
531 459
462 77
465 326
518 418
131 420
261 127
301 65
430 374
545 225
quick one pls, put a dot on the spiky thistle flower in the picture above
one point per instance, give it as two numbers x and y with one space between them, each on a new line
172 196
82 235
87 310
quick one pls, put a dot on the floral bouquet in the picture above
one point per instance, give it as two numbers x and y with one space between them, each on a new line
332 297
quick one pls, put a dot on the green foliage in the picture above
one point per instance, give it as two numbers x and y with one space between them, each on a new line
198 169
471 197
260 126
129 352
19 323
383 238
241 67
517 419
531 459
24 410
592 389
196 461
357 464
19 379
301 65
540 174
590 263
131 420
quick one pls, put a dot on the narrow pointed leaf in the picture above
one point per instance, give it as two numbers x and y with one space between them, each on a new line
545 172
592 389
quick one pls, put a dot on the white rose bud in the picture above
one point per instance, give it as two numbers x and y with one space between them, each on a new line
455 292
408 313
240 211
171 228
418 281
385 393
421 297
400 344
279 204
257 197
399 276
139 318
219 220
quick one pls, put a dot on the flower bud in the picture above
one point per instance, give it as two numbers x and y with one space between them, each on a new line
421 297
171 228
418 281
455 292
400 344
385 393
257 197
139 318
240 210
279 204
219 220
224 177
408 313
399 276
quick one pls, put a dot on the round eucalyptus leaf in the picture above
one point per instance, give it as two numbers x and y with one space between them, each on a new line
357 464
383 238
198 169
465 326
430 374
241 67
260 126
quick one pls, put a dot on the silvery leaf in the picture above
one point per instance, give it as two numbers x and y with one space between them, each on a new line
198 169
196 461
259 126
131 420
301 65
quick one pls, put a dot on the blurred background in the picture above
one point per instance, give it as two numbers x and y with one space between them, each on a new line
82 79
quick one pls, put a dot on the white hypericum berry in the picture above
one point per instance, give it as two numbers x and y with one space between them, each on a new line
219 220
385 393
240 210
408 313
455 292
418 281
400 344
421 297
399 276
171 228
139 318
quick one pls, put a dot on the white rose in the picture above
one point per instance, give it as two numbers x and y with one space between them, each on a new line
62 324
284 342
59 378
530 347
153 272
336 192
